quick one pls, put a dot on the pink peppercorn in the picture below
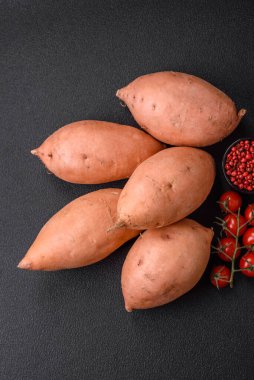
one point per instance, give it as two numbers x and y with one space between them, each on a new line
239 165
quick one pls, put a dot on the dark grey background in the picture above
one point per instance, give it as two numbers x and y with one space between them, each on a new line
62 61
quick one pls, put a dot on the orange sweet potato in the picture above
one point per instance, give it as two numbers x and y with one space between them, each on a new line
180 109
93 152
165 263
78 235
166 188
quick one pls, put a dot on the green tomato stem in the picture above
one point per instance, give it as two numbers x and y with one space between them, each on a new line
231 281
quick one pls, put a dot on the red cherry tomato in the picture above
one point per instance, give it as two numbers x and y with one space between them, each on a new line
248 213
231 224
247 261
226 248
248 237
232 200
220 276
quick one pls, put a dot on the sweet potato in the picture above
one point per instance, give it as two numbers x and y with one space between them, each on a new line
78 235
166 188
165 263
92 152
181 109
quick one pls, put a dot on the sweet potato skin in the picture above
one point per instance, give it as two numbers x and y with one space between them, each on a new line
180 109
166 188
165 263
78 235
93 152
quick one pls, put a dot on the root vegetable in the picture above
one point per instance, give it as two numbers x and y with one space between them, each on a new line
181 109
78 234
93 152
165 263
166 188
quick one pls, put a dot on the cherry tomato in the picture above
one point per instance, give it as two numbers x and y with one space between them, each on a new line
248 237
248 213
247 261
232 200
231 224
220 276
227 248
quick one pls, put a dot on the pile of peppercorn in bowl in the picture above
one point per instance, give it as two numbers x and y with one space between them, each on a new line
238 165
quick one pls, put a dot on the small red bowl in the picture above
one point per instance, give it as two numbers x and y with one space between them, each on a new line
236 188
